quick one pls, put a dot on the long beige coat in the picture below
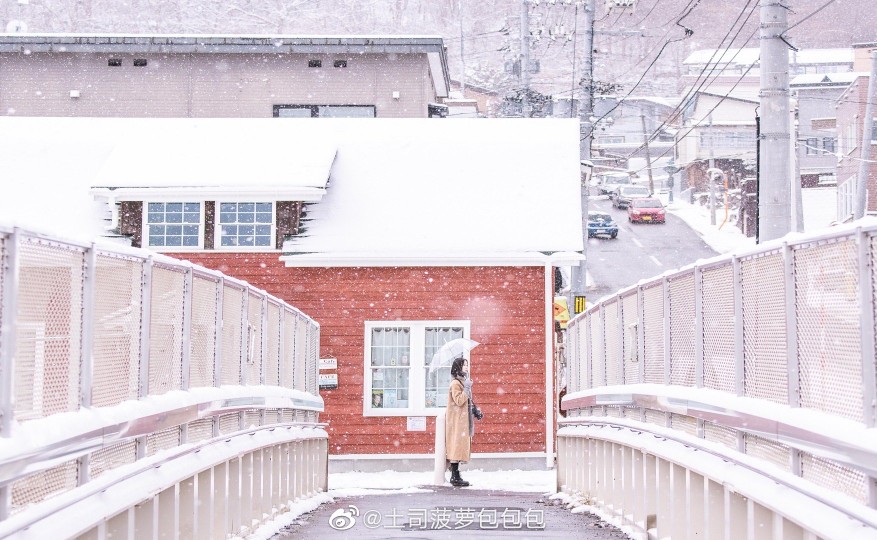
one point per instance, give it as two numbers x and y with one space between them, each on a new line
458 443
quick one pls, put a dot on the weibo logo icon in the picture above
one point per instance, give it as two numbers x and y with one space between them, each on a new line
343 519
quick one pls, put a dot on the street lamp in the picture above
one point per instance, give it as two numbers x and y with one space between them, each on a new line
579 272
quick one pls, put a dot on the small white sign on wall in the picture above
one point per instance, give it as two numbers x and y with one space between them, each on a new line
328 380
328 363
416 423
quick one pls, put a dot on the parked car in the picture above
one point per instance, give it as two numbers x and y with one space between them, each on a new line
601 224
648 210
611 182
624 194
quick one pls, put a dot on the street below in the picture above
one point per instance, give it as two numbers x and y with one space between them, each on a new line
642 250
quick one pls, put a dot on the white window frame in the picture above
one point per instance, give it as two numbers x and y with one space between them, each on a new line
417 362
172 249
217 227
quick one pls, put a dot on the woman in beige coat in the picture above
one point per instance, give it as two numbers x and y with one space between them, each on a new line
460 424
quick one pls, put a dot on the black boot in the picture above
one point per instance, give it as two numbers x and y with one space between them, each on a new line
456 480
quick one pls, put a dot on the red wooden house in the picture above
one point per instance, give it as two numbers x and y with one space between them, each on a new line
396 236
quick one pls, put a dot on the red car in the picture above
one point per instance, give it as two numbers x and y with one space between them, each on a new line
645 210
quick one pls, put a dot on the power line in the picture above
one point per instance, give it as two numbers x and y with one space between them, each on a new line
696 88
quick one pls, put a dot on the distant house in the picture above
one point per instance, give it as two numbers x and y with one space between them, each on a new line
718 128
395 235
738 71
221 76
817 96
620 132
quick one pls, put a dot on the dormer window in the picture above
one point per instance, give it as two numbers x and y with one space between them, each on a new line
173 224
245 224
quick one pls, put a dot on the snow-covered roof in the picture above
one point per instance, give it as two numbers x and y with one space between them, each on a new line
398 189
826 79
750 55
455 190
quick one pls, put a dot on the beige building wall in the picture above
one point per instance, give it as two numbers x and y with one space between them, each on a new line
210 85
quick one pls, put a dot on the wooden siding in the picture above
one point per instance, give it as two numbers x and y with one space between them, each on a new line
504 304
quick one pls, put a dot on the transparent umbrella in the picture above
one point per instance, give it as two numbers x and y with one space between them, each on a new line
450 350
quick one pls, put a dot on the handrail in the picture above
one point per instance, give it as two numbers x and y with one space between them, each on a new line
821 434
863 514
41 450
93 488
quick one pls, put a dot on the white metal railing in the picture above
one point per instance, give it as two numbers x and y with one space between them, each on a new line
764 359
115 362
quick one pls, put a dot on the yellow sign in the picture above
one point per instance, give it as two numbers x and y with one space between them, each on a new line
581 304
561 311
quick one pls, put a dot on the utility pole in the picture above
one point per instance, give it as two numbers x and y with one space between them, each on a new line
795 167
774 197
586 111
462 58
648 156
525 57
867 135
710 172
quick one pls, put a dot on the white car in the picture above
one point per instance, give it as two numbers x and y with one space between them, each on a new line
611 183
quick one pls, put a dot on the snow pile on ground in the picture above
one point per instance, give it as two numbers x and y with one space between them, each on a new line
819 206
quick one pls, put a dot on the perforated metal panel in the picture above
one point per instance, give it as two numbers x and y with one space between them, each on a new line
611 343
252 419
827 309
49 329
684 423
204 332
43 485
776 453
682 329
653 333
117 320
254 339
765 367
598 358
720 434
287 368
717 288
166 330
834 476
162 440
229 423
109 458
232 308
659 418
630 326
287 416
301 353
615 412
272 354
313 357
570 347
199 430
582 359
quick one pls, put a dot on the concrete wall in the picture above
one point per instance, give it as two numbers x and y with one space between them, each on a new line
209 85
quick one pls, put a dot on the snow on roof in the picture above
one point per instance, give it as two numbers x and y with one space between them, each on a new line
750 55
209 153
433 188
808 79
397 186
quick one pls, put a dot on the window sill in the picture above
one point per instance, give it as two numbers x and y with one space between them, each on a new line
403 412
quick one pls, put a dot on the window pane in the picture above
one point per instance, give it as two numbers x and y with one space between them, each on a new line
229 241
162 214
390 350
263 217
263 207
263 241
227 217
248 217
438 381
290 112
227 207
263 230
246 207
